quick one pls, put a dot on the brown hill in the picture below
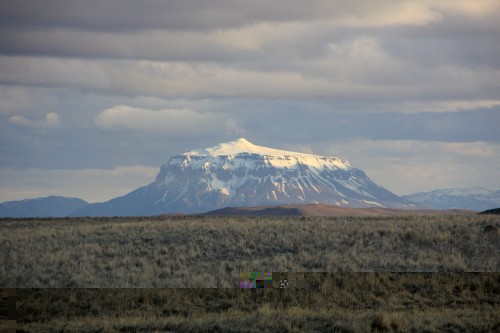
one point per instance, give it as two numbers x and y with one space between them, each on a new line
324 210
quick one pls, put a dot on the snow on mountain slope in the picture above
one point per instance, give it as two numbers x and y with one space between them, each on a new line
475 198
239 173
273 157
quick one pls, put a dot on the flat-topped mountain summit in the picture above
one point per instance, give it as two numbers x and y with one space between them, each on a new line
239 173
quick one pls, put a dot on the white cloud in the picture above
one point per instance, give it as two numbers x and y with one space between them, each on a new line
479 8
165 122
51 120
235 128
445 105
459 105
409 12
386 13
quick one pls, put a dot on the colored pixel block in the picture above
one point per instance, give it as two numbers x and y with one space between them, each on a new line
266 280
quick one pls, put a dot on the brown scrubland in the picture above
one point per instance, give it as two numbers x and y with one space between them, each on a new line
332 302
434 273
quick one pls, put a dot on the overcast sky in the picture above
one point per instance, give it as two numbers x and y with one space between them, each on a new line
97 94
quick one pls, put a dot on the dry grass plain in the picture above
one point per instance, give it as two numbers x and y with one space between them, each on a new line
203 252
362 292
334 302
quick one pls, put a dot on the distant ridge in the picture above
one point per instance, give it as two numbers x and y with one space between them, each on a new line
326 211
51 206
474 198
495 211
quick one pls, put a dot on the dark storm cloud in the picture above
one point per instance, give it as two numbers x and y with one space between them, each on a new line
127 15
111 15
429 50
194 15
152 45
184 31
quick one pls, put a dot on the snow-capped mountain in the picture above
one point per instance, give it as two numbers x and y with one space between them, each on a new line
475 198
239 173
52 206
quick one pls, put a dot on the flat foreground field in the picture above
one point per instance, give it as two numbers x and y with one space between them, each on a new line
201 252
362 292
333 302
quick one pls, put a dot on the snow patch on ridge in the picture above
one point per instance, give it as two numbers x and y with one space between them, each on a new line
274 157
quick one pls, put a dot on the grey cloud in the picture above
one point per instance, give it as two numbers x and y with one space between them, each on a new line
51 120
333 124
411 166
308 74
447 58
264 45
89 184
123 15
78 144
455 40
366 72
74 148
188 30
23 100
51 72
150 45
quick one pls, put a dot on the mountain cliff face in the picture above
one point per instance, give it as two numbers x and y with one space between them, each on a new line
239 173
